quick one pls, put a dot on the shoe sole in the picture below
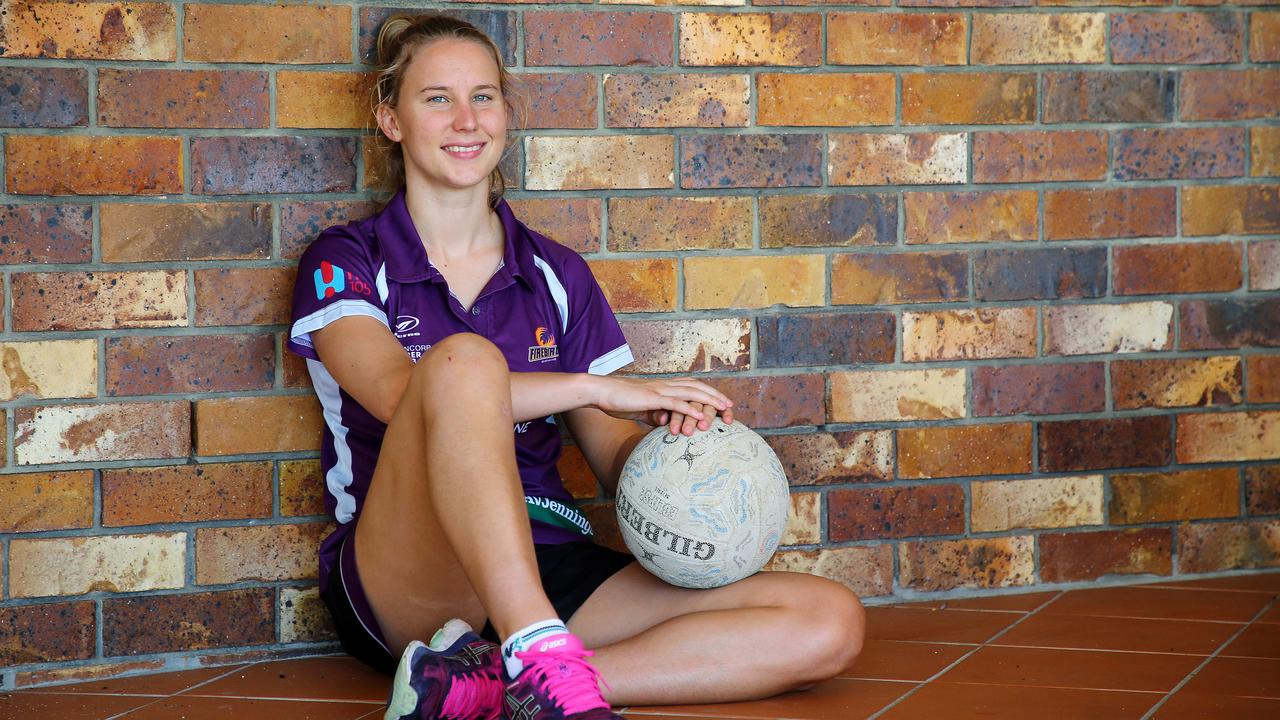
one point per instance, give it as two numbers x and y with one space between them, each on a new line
404 699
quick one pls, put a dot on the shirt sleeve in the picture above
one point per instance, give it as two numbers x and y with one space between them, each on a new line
593 341
335 280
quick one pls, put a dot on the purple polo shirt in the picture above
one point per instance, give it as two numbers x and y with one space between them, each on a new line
542 308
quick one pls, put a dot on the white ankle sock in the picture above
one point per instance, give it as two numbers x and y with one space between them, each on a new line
523 639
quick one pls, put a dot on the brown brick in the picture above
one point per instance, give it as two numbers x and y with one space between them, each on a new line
754 282
1097 329
1176 38
251 165
825 339
557 100
1210 547
1179 153
963 217
827 220
90 30
114 563
1211 324
572 222
895 512
1228 437
638 100
964 450
182 98
647 285
45 234
963 99
1040 273
44 97
1000 505
576 474
294 369
46 501
1164 497
1230 94
188 621
830 458
92 165
50 368
1072 445
244 296
1180 268
149 365
775 38
720 161
1264 36
304 617
1264 378
969 334
1110 213
149 232
1262 490
1178 382
891 395
91 433
1068 557
596 163
1138 97
617 39
186 493
1042 156
897 159
261 552
1039 39
868 571
47 632
324 99
679 223
1039 389
771 401
1231 210
978 563
839 99
1264 151
86 673
687 346
499 25
303 220
896 39
886 279
233 426
267 34
302 488
99 300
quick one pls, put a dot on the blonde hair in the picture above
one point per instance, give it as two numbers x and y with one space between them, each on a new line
398 39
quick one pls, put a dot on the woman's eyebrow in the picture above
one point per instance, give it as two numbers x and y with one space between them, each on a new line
437 88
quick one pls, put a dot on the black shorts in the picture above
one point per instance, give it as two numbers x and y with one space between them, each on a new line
570 572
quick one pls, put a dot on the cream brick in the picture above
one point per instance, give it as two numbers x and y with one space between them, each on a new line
257 552
1038 39
891 395
750 39
113 563
754 282
1091 329
868 571
44 369
804 522
897 159
1042 503
303 616
826 458
1228 437
599 163
686 346
99 300
969 334
89 433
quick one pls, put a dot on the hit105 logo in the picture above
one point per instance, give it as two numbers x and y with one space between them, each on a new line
331 280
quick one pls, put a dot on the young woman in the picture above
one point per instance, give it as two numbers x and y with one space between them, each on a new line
444 338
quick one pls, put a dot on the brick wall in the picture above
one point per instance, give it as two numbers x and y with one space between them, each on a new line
999 283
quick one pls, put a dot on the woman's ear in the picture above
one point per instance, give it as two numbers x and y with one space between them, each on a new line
387 122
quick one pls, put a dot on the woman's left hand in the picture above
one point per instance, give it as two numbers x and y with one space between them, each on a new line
681 424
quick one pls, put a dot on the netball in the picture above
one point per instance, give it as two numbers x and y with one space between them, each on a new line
706 510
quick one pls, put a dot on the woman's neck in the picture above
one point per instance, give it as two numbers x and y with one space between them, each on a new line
453 223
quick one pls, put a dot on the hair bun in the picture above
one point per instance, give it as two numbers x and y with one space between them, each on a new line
390 37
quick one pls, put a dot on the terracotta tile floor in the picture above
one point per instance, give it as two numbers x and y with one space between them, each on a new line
1204 649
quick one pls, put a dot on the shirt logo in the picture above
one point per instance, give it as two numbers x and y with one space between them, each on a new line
545 349
331 280
406 326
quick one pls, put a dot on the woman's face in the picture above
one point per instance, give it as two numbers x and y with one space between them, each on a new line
450 118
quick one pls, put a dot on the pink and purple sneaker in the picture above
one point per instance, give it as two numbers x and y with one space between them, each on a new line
458 676
556 683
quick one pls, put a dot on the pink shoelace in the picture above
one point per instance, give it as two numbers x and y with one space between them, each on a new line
567 679
473 697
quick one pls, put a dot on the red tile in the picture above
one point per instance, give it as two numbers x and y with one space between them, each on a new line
995 702
1192 706
960 626
832 700
208 708
161 684
1272 615
1155 602
1257 582
1086 669
1260 640
1016 603
1108 633
1246 677
892 660
328 678
80 707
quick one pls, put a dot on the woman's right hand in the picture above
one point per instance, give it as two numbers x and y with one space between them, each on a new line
667 401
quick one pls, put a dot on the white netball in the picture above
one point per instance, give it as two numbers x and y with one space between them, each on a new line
706 510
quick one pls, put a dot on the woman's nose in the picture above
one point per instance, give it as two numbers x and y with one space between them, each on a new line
465 119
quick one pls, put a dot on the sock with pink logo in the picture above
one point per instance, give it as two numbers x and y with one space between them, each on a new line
530 638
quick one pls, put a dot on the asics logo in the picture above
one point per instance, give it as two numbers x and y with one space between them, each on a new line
552 644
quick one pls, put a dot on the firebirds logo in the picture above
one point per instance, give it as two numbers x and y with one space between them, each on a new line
546 346
331 280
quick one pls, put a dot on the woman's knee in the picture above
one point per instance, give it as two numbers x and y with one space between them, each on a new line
461 366
836 625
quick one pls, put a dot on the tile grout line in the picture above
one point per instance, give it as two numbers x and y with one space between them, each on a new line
1209 659
124 715
966 656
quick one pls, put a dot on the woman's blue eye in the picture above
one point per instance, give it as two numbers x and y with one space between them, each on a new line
438 99
483 98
